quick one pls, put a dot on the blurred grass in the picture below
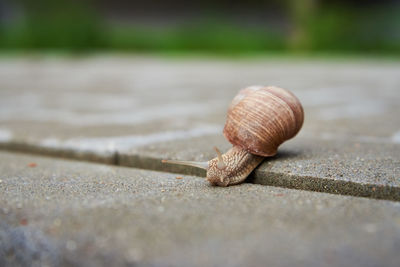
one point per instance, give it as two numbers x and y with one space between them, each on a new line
339 29
75 28
52 25
213 36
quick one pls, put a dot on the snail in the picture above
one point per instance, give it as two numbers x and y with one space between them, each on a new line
259 120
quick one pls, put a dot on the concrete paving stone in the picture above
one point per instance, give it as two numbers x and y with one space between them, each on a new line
352 168
135 111
63 213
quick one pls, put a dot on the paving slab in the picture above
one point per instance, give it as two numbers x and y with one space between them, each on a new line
63 213
134 111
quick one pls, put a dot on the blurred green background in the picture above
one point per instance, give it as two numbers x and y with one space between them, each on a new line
221 26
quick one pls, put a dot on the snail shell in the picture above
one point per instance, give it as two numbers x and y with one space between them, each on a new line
260 119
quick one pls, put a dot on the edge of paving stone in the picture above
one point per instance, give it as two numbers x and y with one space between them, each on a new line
109 158
112 158
325 185
258 176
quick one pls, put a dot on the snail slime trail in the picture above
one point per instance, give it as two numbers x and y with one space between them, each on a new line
259 120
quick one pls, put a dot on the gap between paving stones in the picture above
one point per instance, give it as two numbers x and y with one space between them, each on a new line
259 176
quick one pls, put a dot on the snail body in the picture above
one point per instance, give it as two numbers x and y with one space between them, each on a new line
259 120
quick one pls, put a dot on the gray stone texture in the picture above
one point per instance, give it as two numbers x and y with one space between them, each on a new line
70 213
135 111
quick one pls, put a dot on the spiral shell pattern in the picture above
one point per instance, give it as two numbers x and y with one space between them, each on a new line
261 118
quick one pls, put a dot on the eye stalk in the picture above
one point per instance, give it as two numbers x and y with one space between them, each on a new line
221 164
197 164
202 165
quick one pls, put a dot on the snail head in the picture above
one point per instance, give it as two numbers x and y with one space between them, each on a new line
218 171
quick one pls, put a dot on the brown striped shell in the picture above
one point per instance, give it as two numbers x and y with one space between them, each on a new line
261 118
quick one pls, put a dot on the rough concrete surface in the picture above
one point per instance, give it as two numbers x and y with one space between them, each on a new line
64 213
134 111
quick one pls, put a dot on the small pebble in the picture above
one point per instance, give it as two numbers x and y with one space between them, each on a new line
161 209
370 228
32 164
71 245
179 177
133 256
57 222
